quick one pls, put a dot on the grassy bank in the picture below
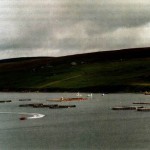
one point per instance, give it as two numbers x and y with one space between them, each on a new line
114 71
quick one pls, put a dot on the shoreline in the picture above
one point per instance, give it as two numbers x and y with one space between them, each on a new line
31 90
90 89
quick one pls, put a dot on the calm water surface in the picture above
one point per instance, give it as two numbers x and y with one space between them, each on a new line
91 125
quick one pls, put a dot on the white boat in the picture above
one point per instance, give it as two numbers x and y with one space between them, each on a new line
90 95
78 94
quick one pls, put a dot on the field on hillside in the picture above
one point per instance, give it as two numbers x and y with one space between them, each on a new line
76 74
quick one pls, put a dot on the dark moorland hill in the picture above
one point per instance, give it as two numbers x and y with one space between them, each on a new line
112 71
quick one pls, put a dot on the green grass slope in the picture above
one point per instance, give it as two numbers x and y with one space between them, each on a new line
114 71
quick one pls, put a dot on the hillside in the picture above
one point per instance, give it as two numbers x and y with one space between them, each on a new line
112 71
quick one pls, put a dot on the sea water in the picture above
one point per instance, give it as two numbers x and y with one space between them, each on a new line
92 124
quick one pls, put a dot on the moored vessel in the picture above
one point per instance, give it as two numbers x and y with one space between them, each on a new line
22 118
147 93
127 107
67 99
143 109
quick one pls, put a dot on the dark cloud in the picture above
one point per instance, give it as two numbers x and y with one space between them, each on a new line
62 27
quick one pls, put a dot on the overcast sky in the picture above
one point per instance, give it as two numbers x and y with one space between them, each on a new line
64 27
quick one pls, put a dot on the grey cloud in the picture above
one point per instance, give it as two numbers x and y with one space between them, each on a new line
107 15
65 27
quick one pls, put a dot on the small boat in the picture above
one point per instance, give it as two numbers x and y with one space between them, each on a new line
24 99
7 101
78 94
90 95
68 99
141 103
127 107
31 105
53 106
147 93
22 118
62 106
103 94
74 99
143 109
25 105
56 100
66 106
37 105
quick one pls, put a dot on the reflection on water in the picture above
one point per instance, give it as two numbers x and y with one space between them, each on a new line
92 124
